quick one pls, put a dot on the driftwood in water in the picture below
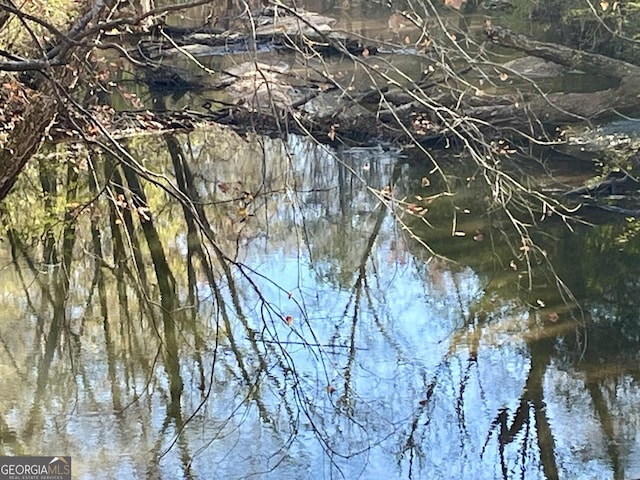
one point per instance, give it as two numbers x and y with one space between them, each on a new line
621 181
394 112
561 107
271 28
615 183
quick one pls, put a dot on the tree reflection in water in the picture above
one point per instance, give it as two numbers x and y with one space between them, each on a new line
265 308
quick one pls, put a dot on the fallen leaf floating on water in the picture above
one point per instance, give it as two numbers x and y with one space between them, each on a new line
554 317
605 5
426 182
457 4
416 209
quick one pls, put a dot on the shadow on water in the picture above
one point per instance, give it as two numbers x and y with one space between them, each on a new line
281 318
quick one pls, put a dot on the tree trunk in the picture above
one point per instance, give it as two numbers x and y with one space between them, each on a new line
25 140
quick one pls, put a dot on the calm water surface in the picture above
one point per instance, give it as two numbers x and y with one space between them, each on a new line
335 345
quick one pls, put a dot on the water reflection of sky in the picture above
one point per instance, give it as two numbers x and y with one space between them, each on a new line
401 333
388 368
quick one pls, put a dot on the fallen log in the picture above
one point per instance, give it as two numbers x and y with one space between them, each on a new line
562 107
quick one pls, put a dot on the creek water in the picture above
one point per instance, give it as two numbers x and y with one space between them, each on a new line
336 345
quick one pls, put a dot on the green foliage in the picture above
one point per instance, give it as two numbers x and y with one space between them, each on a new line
630 232
57 13
34 212
26 214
